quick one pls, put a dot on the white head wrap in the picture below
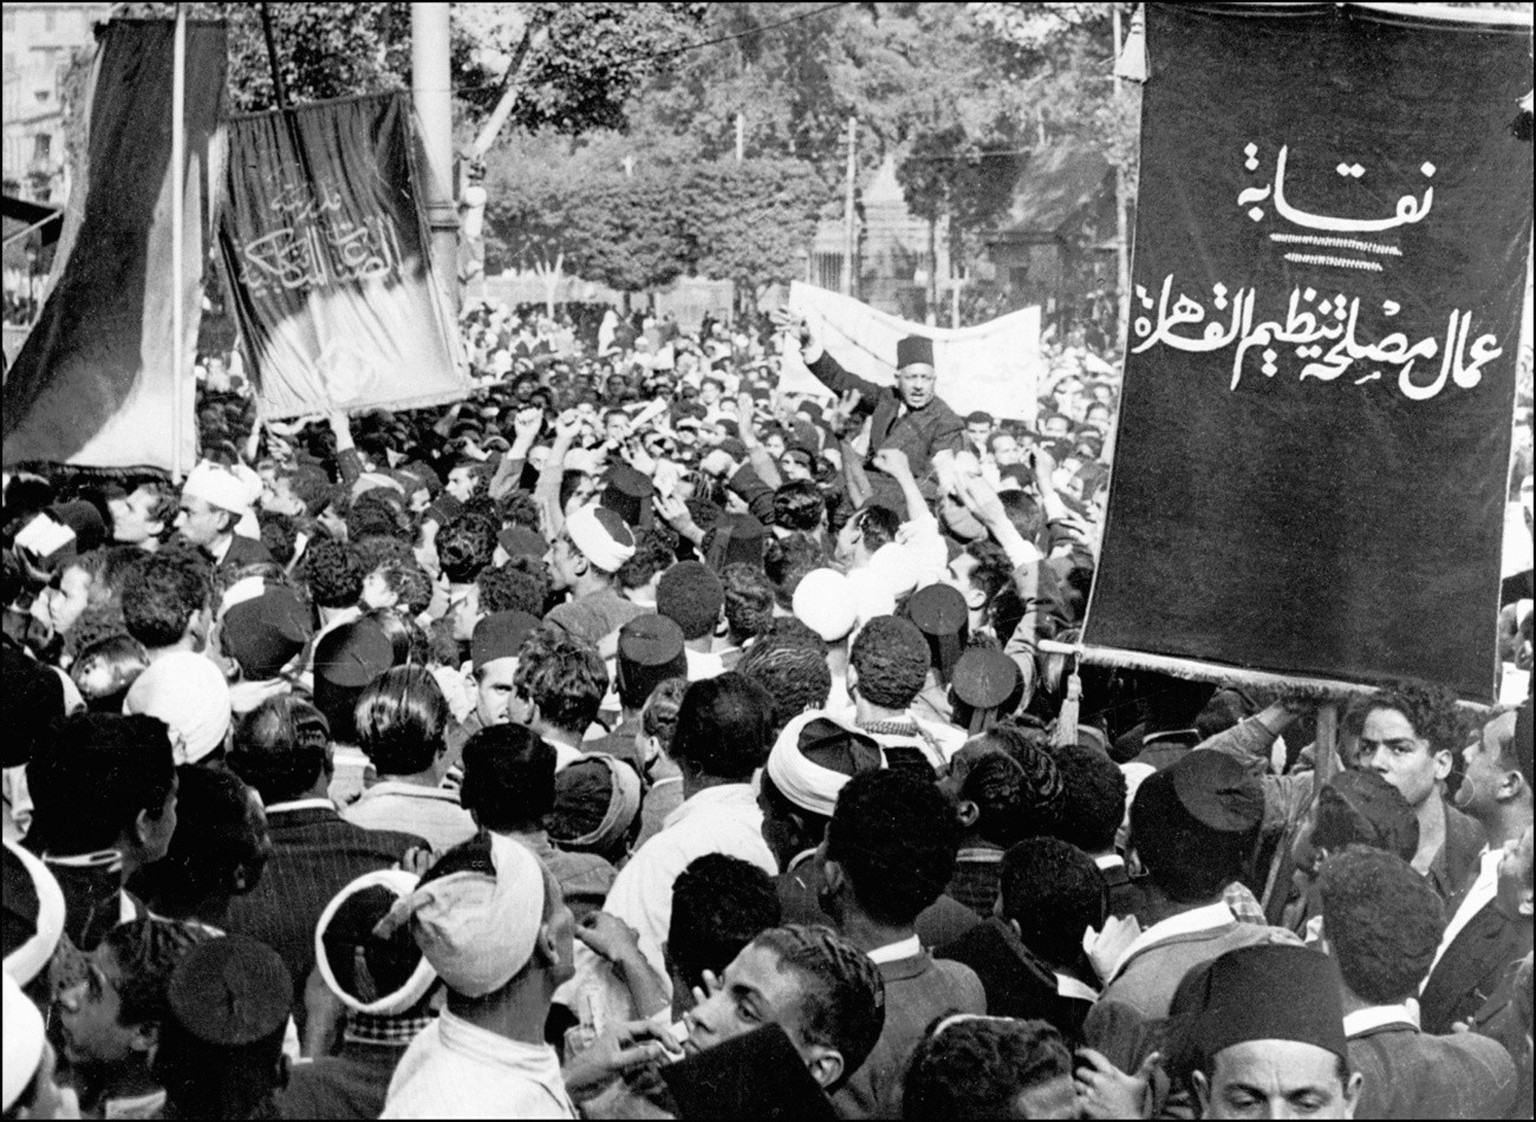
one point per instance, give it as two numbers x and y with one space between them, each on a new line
189 693
825 602
22 1031
477 932
218 486
29 959
806 784
402 884
596 541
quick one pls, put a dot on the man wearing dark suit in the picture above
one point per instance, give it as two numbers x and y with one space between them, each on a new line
908 416
283 749
889 851
1491 927
1093 807
1382 923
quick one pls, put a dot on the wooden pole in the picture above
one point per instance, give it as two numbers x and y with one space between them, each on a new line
850 235
1122 235
430 82
180 419
279 90
1325 747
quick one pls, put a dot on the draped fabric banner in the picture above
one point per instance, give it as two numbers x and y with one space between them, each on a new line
993 366
1332 229
95 383
324 241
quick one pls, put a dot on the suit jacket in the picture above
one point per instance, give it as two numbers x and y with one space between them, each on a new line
244 551
917 990
1470 970
1409 1074
1017 981
1124 894
315 854
933 428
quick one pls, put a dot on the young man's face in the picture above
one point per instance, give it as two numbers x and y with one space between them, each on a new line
377 593
133 519
616 427
91 1031
1005 451
1391 747
774 442
755 990
493 690
561 561
464 612
461 483
709 394
978 431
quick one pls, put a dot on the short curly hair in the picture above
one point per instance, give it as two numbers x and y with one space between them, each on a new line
1093 798
798 505
564 676
334 573
786 561
161 593
1054 892
1431 710
895 836
722 727
719 905
996 784
279 534
465 546
1044 794
409 581
976 1068
374 516
521 585
795 677
653 554
843 1003
748 599
891 658
1383 921
690 595
147 950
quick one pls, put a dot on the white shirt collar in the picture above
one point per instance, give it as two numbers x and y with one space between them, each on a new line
1068 986
724 794
1363 1020
910 947
1483 889
1110 861
1204 918
301 804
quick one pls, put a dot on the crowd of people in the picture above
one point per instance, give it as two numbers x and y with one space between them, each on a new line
634 739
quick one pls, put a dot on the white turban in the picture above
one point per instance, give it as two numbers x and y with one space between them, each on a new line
189 693
31 955
825 602
601 537
402 884
804 783
22 1031
476 931
218 486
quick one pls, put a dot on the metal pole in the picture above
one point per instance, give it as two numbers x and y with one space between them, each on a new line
1122 247
179 417
741 137
430 91
850 235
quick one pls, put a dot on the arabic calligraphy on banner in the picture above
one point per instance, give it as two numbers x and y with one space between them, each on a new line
1332 227
325 241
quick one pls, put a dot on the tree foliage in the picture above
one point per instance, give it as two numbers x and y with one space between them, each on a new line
582 63
750 222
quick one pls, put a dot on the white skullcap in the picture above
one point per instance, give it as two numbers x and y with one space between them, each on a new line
218 486
824 601
402 884
189 693
893 564
43 927
477 931
22 1030
601 537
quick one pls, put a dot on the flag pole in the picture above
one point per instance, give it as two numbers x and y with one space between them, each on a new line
178 235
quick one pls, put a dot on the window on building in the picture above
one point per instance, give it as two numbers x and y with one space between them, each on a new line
42 147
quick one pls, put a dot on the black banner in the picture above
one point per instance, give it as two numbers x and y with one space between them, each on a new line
1331 239
325 243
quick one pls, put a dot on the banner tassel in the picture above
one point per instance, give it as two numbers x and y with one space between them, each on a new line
1066 721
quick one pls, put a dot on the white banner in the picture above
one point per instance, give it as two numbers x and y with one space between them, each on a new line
993 366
